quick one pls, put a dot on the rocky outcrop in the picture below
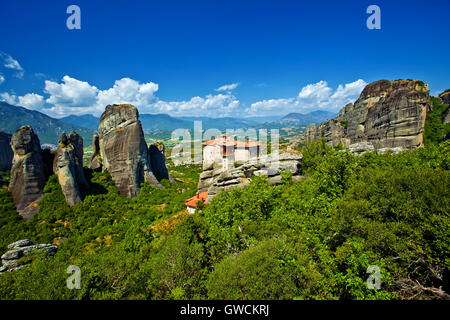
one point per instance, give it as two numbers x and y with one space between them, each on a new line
445 97
157 158
332 130
68 166
388 114
446 116
13 260
214 179
27 172
95 162
6 154
361 147
123 149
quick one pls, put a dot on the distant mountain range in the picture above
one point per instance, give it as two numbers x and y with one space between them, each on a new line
164 122
48 129
299 119
86 121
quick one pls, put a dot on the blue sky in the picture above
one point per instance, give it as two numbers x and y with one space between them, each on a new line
269 57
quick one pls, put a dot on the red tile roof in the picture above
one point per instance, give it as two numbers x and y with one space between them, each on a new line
192 202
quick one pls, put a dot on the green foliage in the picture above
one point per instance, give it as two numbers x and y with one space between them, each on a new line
312 239
435 129
344 123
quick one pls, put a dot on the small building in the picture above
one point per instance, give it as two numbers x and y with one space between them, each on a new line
191 203
226 151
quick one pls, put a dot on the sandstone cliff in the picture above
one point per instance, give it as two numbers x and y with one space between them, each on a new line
214 179
27 173
6 154
388 114
123 149
68 166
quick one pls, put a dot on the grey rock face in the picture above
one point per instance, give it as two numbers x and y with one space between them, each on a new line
393 150
27 173
156 153
68 166
213 179
20 244
446 116
11 259
445 97
6 154
123 149
361 147
388 114
12 254
95 162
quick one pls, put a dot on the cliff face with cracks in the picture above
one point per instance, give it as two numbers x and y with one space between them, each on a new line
123 150
157 158
388 114
95 162
68 166
27 172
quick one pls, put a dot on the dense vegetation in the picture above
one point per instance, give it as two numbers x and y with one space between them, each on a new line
435 130
312 239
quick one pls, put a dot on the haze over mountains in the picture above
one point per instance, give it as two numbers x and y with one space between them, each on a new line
49 129
165 122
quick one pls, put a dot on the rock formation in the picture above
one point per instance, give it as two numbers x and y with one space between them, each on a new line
445 97
68 166
95 162
158 161
214 179
123 149
12 259
6 154
388 114
27 172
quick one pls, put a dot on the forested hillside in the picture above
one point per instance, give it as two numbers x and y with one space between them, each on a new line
308 240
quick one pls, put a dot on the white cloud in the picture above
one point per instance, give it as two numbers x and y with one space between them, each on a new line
70 93
40 75
11 63
127 90
212 105
228 87
77 97
2 78
315 92
8 98
317 96
31 101
72 96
